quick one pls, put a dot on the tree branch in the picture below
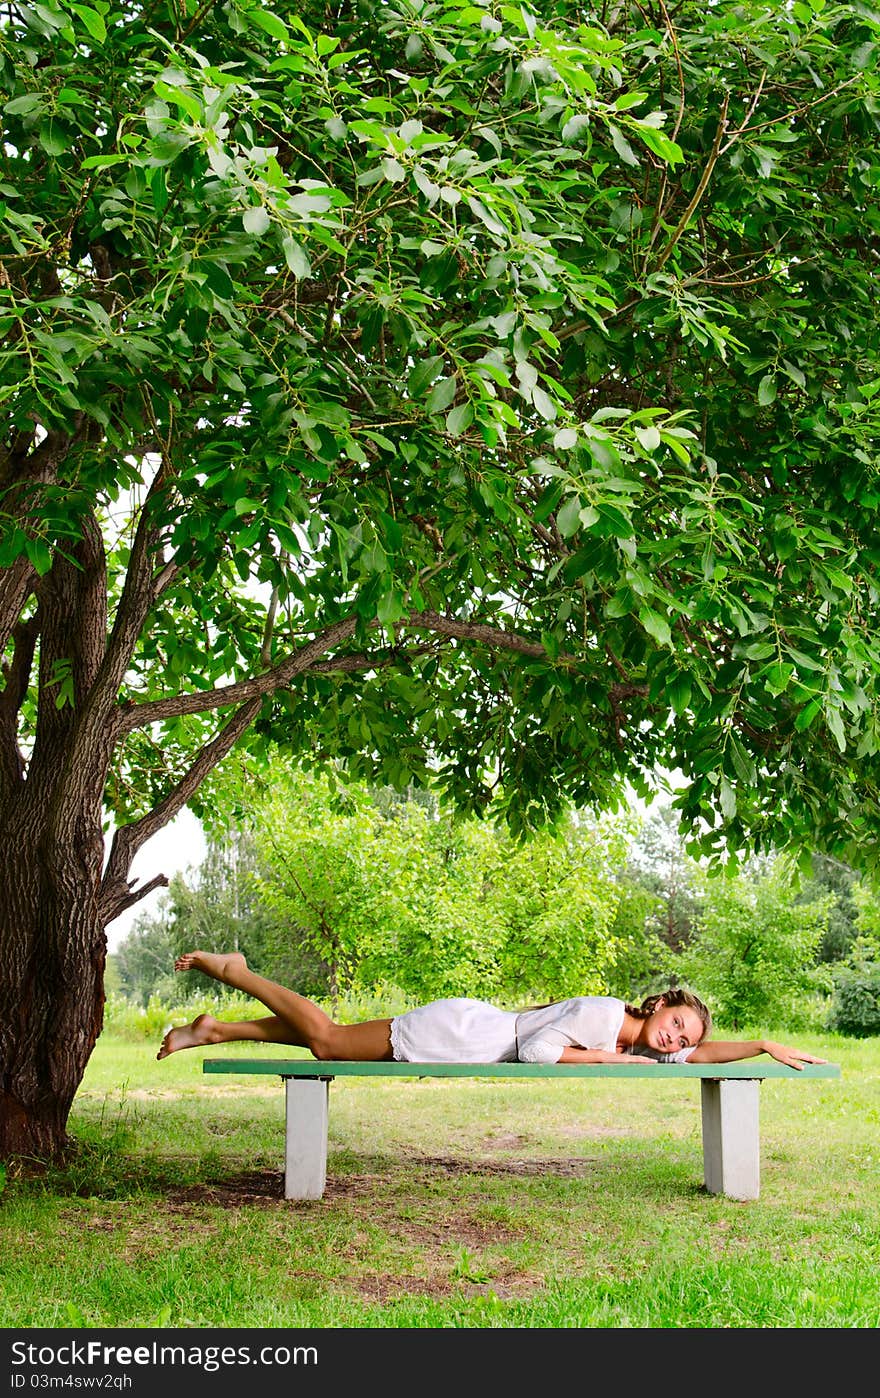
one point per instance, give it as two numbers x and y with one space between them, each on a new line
748 116
12 764
681 98
700 189
268 629
140 715
494 636
132 897
115 890
135 716
16 584
139 592
786 116
367 660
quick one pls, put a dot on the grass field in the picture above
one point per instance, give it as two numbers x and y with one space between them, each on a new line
449 1204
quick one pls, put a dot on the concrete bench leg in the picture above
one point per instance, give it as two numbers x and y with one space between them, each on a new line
731 1148
305 1155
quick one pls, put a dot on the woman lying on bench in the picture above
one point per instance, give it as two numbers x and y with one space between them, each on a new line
670 1028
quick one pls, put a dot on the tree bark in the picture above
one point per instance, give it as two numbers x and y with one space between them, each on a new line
52 958
52 943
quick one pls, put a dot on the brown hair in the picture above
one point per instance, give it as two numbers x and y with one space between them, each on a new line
674 998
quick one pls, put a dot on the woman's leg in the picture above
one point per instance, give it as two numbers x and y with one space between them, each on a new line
205 1029
307 1024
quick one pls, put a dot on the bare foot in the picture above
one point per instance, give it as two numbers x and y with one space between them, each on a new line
203 1030
221 965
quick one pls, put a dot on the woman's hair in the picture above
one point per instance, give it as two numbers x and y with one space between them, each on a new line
674 998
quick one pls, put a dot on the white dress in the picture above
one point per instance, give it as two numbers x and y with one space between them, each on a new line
455 1031
460 1030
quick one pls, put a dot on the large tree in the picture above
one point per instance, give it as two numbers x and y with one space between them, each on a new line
433 386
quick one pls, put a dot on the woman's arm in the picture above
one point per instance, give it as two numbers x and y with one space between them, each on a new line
580 1055
717 1051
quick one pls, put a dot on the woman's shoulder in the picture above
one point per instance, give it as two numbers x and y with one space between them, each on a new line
589 1004
598 1002
605 1009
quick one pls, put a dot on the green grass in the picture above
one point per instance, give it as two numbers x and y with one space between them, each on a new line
537 1204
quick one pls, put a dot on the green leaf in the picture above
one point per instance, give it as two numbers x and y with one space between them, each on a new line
565 439
623 147
728 799
441 395
656 625
53 137
568 517
489 219
459 419
39 554
743 764
424 373
767 390
390 608
576 127
27 105
621 604
256 220
794 373
430 190
660 144
295 256
679 691
544 403
778 677
101 162
270 24
807 714
835 725
648 436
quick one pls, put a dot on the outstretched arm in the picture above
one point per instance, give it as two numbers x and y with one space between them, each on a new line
717 1051
581 1055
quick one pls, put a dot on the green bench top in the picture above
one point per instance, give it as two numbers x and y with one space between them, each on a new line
313 1068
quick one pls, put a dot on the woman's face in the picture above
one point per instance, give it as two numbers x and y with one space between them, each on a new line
669 1029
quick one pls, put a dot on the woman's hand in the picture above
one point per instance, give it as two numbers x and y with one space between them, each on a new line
792 1058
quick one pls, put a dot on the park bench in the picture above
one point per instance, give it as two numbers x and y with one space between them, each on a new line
731 1149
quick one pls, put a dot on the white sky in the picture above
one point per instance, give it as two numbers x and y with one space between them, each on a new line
179 846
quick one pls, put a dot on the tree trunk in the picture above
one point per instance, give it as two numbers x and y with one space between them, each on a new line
52 957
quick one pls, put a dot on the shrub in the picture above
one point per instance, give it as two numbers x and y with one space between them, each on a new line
127 1020
855 1008
641 958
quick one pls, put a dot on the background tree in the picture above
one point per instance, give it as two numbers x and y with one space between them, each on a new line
642 959
753 954
659 863
435 387
217 907
144 959
660 891
856 1005
833 877
328 872
397 893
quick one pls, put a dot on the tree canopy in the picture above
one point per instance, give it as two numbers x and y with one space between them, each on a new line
448 388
